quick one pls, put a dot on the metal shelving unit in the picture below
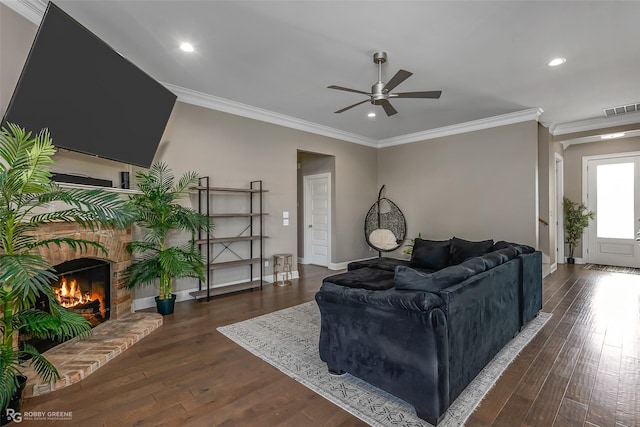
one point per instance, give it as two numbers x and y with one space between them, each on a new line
251 234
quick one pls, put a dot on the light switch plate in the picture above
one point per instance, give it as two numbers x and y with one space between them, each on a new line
285 214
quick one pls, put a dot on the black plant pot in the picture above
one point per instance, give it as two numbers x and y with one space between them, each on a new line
571 260
14 403
165 306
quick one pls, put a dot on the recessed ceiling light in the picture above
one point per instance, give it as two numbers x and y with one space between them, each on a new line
612 135
371 114
557 61
187 47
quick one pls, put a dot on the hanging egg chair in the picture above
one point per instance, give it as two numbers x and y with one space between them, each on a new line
385 226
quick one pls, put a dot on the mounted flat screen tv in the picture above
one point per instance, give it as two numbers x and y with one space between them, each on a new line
90 98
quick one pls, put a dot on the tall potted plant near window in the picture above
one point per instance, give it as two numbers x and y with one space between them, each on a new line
576 219
26 194
159 214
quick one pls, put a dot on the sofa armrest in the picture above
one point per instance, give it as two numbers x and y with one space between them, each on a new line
531 291
483 315
395 340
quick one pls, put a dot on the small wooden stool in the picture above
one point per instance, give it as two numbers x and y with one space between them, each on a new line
282 264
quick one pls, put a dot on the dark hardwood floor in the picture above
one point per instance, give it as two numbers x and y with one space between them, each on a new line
582 369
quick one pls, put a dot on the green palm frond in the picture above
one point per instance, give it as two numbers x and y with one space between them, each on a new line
24 277
45 369
79 245
58 324
9 371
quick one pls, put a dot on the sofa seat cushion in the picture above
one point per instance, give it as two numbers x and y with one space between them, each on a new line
382 263
364 278
461 249
430 254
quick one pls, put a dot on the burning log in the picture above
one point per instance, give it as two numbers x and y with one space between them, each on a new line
90 307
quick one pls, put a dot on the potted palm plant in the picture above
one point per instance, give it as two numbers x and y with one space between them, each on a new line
26 194
576 219
158 213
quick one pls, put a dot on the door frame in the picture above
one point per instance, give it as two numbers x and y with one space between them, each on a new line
307 211
585 188
559 211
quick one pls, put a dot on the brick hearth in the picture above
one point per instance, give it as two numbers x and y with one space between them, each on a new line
77 358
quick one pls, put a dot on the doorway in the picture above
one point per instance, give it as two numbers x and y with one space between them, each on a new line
613 193
315 208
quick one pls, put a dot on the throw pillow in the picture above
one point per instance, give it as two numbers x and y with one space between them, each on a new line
461 249
430 254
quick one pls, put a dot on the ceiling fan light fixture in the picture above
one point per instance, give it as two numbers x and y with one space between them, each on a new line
557 61
187 47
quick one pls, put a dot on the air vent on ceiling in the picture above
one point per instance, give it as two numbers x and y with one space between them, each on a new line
622 109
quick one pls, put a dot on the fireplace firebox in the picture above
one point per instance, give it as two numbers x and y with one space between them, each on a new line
83 287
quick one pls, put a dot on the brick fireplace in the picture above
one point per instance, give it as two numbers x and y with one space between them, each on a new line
76 359
115 242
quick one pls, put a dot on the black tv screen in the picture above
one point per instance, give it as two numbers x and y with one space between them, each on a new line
90 98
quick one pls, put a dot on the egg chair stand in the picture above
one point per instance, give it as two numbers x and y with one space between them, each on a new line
385 227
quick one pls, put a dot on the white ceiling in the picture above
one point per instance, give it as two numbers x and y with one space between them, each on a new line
278 57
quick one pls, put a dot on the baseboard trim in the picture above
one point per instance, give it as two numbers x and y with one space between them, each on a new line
183 295
553 267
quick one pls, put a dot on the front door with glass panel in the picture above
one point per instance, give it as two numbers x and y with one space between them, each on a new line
613 192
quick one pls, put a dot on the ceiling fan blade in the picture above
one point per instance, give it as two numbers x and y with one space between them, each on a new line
351 106
388 108
347 89
400 76
435 94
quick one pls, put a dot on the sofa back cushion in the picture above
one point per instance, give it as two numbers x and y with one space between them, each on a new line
461 249
495 258
406 278
430 254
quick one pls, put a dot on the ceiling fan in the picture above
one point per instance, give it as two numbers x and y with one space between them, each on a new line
381 92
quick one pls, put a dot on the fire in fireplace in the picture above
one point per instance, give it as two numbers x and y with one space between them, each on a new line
83 286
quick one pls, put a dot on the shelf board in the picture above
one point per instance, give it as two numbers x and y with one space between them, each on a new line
221 290
236 215
228 239
232 190
228 264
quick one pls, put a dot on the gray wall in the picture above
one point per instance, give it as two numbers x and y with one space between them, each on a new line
16 35
573 165
476 185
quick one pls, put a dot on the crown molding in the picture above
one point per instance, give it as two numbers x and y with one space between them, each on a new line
472 126
593 124
221 104
215 103
33 10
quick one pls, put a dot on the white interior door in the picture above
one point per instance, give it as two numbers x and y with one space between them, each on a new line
317 199
613 193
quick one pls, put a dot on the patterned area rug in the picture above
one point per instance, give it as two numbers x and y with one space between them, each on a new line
611 268
288 340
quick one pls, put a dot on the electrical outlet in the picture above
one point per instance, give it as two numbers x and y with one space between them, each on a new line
266 263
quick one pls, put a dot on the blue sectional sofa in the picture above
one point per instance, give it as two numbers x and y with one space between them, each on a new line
423 329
